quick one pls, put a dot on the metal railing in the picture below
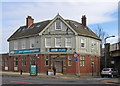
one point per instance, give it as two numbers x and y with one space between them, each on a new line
115 47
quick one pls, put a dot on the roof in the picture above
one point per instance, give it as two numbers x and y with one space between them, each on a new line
33 30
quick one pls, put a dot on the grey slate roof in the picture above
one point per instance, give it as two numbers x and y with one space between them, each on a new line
33 30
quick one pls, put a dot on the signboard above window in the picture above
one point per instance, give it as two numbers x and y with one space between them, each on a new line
13 52
58 49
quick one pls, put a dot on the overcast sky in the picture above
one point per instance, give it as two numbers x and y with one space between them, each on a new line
97 12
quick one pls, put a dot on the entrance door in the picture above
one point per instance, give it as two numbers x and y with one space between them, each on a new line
58 66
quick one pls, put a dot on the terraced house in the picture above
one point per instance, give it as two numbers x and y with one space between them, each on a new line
52 43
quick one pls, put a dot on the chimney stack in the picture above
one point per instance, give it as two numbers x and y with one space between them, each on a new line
29 21
84 20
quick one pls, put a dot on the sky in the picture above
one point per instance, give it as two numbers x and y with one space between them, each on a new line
100 12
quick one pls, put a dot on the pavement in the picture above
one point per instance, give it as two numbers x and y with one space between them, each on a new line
58 75
43 75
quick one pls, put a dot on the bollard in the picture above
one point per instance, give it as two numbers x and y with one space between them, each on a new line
21 72
47 72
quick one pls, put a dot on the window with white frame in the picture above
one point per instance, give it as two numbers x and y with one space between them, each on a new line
68 42
58 42
82 61
15 45
46 60
48 42
32 43
23 44
58 25
24 61
83 43
93 44
70 60
15 61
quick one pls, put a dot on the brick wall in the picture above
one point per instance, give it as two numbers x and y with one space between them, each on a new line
40 62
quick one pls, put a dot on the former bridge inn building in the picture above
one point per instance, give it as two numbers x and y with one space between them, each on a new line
52 43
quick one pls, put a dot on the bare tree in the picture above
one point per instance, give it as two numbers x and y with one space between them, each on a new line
101 34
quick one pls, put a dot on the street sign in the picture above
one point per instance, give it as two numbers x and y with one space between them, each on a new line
33 70
75 55
75 59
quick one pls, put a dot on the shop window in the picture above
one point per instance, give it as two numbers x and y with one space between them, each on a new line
83 43
58 25
46 60
2 61
32 60
68 42
48 42
23 44
6 61
15 45
24 61
69 60
82 61
15 61
58 42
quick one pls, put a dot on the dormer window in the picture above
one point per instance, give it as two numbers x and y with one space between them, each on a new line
58 25
38 25
76 25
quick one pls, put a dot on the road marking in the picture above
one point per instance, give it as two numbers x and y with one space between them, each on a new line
20 82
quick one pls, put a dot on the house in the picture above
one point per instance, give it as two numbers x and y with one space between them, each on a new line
53 43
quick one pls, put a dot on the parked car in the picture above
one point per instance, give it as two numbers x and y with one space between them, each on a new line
110 72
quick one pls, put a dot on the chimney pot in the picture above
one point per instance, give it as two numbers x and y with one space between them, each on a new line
29 21
84 20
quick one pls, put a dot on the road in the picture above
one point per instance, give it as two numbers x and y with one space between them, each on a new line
34 80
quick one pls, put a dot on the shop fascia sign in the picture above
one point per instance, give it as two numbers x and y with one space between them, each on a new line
58 49
37 50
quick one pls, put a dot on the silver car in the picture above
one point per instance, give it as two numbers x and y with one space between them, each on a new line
110 72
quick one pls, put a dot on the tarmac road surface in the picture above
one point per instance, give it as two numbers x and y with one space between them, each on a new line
33 81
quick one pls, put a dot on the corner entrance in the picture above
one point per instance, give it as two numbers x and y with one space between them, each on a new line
58 66
58 61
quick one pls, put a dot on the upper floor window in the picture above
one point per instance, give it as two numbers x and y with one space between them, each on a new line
23 44
58 42
93 44
48 42
58 25
83 43
15 45
32 45
68 42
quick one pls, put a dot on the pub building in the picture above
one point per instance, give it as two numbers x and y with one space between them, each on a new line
53 43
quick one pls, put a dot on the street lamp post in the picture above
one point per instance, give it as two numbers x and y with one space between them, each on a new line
105 51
